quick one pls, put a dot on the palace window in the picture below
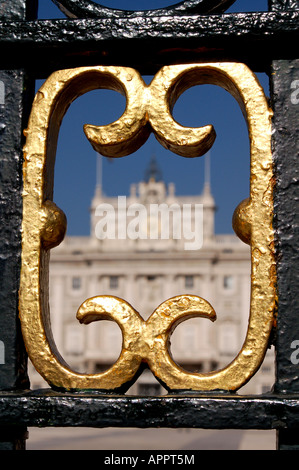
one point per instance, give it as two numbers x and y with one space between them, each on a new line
113 282
76 283
228 282
189 282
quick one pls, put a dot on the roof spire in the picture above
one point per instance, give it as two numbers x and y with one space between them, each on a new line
207 183
99 174
153 172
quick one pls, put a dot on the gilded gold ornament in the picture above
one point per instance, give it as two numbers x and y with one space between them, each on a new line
148 110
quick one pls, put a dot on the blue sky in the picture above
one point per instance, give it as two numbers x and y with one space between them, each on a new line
75 170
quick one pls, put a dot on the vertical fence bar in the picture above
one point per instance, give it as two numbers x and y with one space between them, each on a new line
285 103
16 93
285 85
285 96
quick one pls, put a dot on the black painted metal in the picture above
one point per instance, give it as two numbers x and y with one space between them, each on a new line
16 93
207 411
284 4
255 38
285 103
12 372
286 152
103 36
285 97
18 9
90 9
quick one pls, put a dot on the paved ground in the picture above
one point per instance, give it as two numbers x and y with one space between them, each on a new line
148 439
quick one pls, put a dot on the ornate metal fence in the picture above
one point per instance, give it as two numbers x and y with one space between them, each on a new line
193 42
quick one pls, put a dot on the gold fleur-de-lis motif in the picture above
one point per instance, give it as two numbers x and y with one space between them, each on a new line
148 110
143 341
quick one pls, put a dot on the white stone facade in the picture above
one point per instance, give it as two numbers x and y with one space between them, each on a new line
145 272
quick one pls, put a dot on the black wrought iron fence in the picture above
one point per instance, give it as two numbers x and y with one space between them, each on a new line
191 42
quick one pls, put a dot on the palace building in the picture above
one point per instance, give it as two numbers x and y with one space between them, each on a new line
146 248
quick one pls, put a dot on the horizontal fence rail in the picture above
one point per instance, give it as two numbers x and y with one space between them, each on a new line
265 42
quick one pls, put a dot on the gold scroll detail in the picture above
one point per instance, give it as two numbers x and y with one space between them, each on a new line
143 341
148 109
